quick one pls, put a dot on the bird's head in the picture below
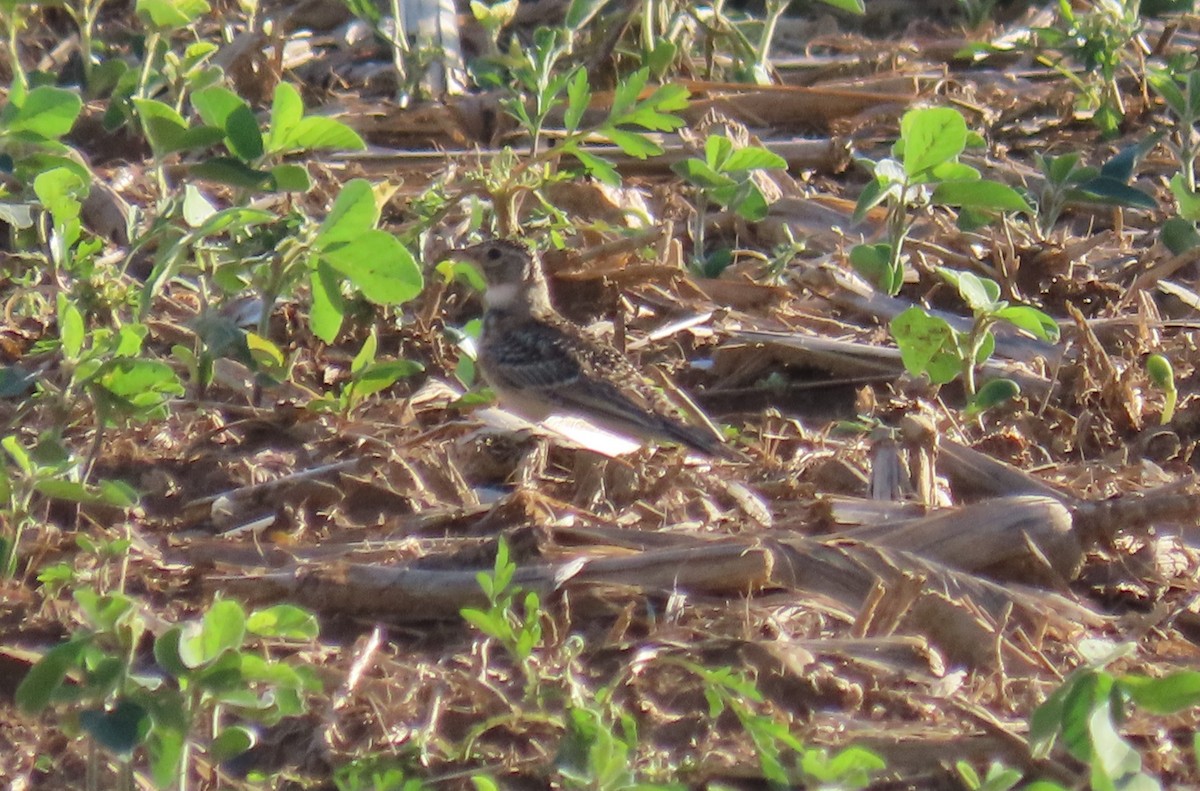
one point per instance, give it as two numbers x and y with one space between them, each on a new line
512 272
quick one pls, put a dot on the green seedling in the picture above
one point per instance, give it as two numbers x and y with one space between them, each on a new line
725 176
541 91
204 670
998 777
344 255
1102 40
367 377
924 170
785 761
32 476
929 345
493 18
1085 713
1159 369
746 38
1181 94
519 631
253 160
104 365
993 393
32 124
1065 181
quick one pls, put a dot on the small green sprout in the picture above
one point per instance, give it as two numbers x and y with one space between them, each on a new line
1162 375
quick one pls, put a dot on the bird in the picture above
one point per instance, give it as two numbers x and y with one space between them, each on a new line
540 364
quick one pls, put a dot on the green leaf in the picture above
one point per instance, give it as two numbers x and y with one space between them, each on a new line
452 271
16 451
47 113
578 97
1166 87
234 217
1046 720
316 133
753 158
166 652
167 132
752 205
926 345
632 144
717 150
196 208
1060 170
354 213
230 171
224 109
628 91
171 14
981 195
381 376
876 191
979 296
1082 700
659 59
60 191
287 109
580 12
873 262
994 393
70 491
44 679
849 6
1188 201
381 267
701 174
950 171
598 167
70 327
1121 166
366 355
285 621
130 378
165 748
18 215
1113 192
230 743
119 730
931 136
1179 235
223 628
486 622
1032 320
117 493
1111 754
1170 694
290 178
325 315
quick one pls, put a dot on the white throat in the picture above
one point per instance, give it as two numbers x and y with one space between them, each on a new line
502 295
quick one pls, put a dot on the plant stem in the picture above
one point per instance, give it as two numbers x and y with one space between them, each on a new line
91 12
147 64
775 10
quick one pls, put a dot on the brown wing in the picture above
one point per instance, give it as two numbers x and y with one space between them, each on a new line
562 365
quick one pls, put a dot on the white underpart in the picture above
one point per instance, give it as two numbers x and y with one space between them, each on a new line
501 295
570 427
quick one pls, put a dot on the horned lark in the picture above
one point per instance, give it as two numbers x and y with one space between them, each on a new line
541 365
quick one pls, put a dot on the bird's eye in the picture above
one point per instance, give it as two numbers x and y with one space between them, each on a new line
493 254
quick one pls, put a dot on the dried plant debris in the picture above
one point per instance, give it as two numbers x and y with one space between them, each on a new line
929 274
